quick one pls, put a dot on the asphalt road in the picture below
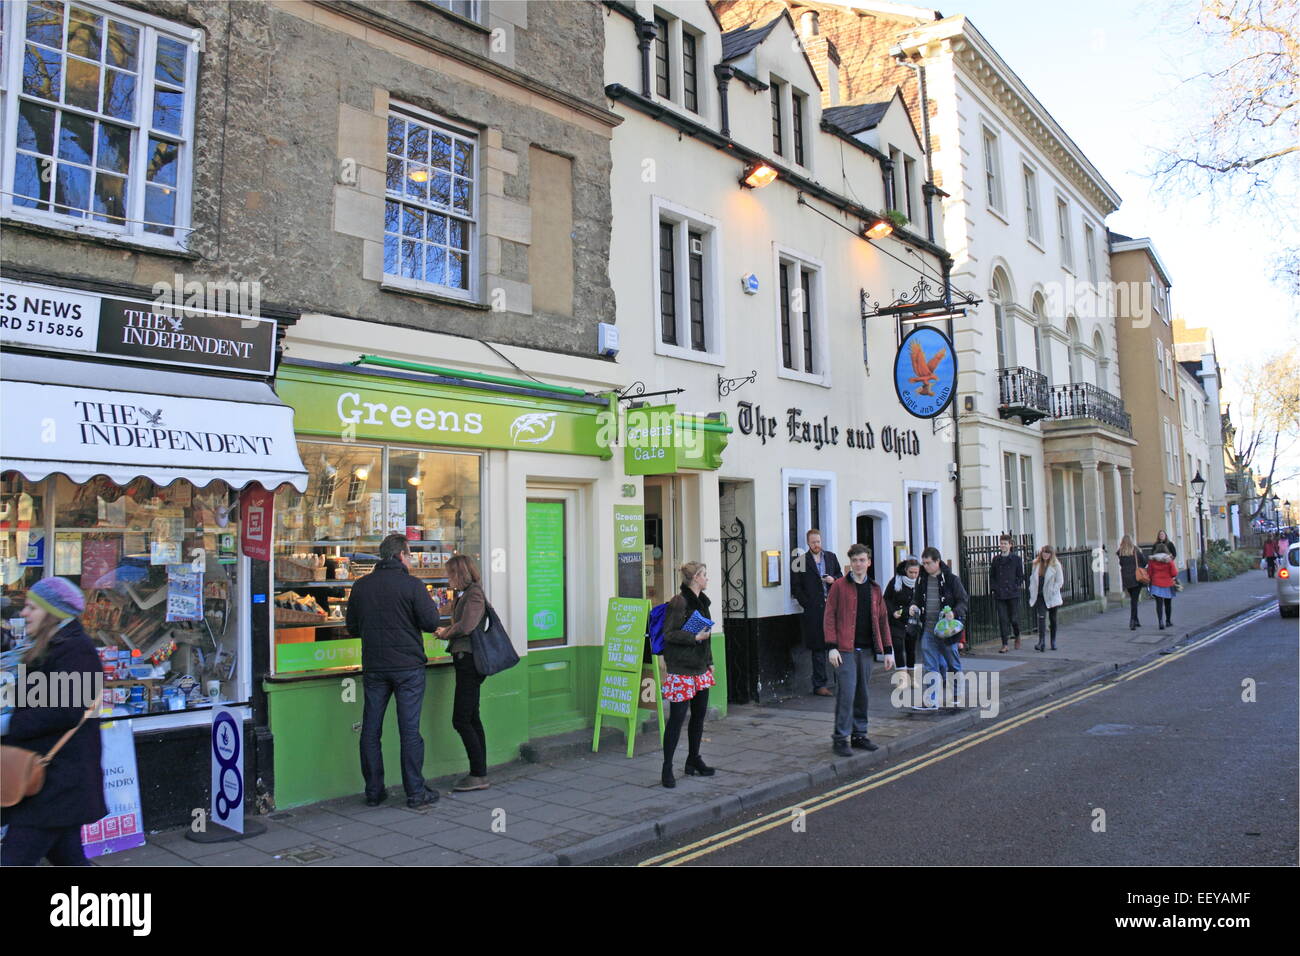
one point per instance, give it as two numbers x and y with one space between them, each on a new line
1165 765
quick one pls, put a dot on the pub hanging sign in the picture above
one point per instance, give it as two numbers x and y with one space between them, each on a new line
925 372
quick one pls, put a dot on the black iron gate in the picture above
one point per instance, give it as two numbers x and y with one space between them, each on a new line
737 626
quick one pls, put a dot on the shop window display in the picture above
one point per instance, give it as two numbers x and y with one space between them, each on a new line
158 566
329 536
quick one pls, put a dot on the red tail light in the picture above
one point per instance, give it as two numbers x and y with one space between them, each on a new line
1284 574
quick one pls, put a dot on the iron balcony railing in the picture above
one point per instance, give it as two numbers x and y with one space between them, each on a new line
1024 393
1085 400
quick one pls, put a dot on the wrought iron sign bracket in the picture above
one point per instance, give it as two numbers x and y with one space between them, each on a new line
924 301
636 391
728 385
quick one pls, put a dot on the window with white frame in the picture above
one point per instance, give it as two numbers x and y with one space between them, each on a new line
430 219
1003 330
809 503
469 9
1026 495
1090 251
1160 364
685 270
100 101
798 107
1010 489
1063 233
992 170
1033 225
922 519
678 53
800 308
778 130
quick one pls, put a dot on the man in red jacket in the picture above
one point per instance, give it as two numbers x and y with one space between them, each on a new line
857 628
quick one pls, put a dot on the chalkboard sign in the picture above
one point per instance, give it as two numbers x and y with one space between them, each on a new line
631 575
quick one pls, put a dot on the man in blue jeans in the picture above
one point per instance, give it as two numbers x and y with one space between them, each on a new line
857 628
937 587
390 610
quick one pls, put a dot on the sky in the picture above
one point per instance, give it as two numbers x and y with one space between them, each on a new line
1109 72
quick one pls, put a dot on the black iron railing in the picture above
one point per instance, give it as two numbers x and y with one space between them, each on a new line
1023 389
1085 400
977 554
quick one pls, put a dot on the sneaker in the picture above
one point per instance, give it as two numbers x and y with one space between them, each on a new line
377 799
428 798
841 749
471 782
863 743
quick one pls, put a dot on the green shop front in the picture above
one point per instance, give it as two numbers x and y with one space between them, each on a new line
525 478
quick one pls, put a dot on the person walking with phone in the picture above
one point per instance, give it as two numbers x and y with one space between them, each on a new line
857 628
1046 578
47 825
467 614
688 660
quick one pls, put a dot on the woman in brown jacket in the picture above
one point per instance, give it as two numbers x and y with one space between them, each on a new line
467 614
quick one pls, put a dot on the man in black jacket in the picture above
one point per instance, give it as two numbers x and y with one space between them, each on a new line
937 588
1007 582
811 575
390 611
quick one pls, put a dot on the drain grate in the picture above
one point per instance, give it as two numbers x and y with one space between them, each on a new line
308 854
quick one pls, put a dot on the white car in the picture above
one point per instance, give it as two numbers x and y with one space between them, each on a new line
1288 582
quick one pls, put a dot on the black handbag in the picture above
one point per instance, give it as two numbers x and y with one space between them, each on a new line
493 652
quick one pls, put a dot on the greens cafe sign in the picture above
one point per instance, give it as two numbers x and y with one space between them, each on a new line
341 405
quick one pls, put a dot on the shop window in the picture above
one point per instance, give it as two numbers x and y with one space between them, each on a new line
159 569
104 107
430 218
328 537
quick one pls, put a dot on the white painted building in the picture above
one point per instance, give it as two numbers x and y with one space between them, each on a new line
1045 439
749 300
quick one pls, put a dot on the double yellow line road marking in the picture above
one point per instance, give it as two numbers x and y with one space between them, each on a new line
784 817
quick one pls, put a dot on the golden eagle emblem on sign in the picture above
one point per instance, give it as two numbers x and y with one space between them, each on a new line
923 368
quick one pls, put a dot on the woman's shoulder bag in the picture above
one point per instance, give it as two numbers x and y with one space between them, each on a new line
493 651
22 771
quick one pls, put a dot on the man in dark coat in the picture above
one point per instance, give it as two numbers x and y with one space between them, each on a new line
811 576
1007 582
390 611
48 823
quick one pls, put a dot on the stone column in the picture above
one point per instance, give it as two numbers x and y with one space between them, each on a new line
1092 523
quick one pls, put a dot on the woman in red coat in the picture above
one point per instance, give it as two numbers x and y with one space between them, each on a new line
1164 579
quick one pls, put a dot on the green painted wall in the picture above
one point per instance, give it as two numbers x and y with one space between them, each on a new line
552 691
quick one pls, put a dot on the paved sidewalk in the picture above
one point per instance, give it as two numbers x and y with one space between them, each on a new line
583 808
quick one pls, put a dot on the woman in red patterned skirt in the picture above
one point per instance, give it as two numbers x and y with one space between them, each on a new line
688 659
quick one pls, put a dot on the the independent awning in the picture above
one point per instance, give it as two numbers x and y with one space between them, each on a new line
85 418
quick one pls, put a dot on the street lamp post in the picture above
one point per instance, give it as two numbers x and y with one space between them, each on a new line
1198 486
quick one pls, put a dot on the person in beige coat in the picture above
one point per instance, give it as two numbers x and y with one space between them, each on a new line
1045 580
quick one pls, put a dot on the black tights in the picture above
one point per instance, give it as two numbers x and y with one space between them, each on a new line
1133 595
1164 610
698 707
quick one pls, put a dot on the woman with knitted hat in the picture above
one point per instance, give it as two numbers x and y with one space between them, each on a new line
48 823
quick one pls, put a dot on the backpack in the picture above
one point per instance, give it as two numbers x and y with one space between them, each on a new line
655 627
